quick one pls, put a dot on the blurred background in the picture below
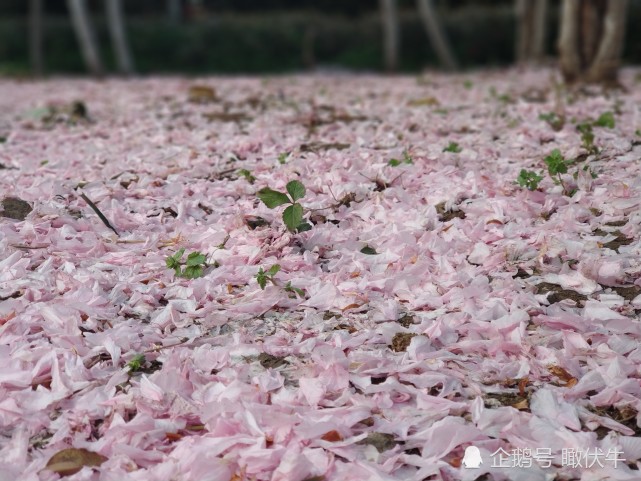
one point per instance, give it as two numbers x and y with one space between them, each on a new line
260 36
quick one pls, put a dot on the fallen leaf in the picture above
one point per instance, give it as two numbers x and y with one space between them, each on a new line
351 306
522 384
522 404
15 208
562 374
332 436
70 461
201 94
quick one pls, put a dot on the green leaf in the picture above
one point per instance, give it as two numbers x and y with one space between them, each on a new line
261 278
554 120
369 251
136 362
290 288
453 147
556 163
394 162
529 179
192 272
606 119
304 227
195 259
272 198
273 270
282 158
296 190
174 261
248 175
293 216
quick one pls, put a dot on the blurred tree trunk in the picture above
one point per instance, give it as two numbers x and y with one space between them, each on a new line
391 33
116 24
35 36
531 22
174 11
591 40
85 36
435 33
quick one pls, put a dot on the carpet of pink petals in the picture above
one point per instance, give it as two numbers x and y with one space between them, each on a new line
241 383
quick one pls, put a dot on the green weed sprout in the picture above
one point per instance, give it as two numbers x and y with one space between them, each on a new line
453 147
407 159
529 179
191 269
293 213
136 363
262 277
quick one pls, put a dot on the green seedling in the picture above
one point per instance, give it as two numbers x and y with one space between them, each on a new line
136 363
606 119
555 120
262 277
294 290
293 213
247 175
529 179
453 147
191 269
407 159
557 165
587 137
282 158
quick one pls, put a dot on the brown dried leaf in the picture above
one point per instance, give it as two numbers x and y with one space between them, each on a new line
521 405
522 385
332 436
351 306
562 374
70 461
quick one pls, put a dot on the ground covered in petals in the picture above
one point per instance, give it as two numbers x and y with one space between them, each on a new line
158 321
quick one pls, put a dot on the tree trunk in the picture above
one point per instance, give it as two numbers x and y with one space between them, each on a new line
35 36
118 37
391 33
531 30
85 36
591 40
435 33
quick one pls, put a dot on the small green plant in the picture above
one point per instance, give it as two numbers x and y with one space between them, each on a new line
247 175
282 157
555 120
587 136
136 363
453 147
529 179
557 165
294 290
191 269
606 119
293 214
407 159
262 277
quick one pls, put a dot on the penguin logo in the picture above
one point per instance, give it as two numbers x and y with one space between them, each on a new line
472 458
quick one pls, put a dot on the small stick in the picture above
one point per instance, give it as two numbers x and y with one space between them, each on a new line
97 211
